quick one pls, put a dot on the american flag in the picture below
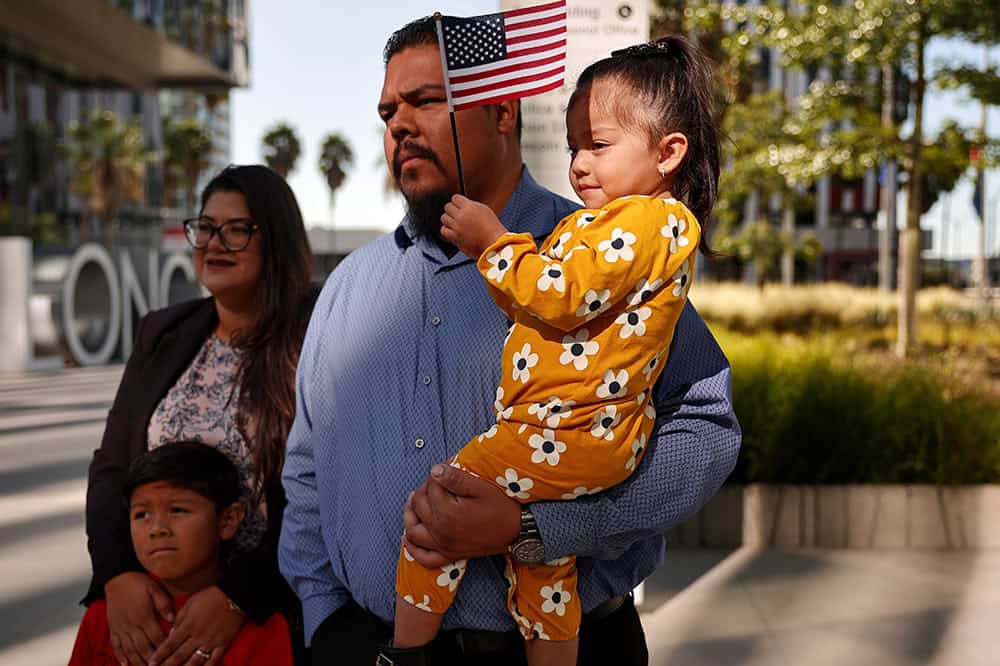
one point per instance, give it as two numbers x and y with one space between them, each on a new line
512 54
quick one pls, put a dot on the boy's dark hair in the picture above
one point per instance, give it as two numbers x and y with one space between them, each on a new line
673 83
421 32
191 465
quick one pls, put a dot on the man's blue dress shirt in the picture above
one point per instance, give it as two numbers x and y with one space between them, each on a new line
399 370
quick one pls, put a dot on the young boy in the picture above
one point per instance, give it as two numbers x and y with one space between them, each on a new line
183 506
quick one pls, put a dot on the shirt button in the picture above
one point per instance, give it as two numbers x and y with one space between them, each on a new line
419 443
435 320
427 380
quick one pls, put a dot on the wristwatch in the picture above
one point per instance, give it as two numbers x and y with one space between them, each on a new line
528 547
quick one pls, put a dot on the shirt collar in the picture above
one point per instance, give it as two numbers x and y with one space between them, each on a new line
514 217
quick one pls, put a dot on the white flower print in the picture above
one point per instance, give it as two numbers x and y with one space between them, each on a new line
406 554
669 200
452 575
613 384
569 254
510 332
682 280
674 230
547 448
594 303
524 360
584 220
555 599
558 410
502 413
552 276
650 367
552 411
501 262
650 410
423 605
514 486
638 446
580 491
539 631
633 322
619 247
539 409
556 250
604 422
557 563
577 348
644 290
489 434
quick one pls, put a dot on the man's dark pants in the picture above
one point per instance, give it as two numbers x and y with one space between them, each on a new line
351 637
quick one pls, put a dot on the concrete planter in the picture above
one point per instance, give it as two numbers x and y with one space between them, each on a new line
913 517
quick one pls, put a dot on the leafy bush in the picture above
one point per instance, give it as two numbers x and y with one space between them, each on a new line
821 411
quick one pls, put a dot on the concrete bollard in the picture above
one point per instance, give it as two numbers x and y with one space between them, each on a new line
15 293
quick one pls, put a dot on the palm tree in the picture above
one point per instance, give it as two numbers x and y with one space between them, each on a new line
335 158
187 150
281 149
108 159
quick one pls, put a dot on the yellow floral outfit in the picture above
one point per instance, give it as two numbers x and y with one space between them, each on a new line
594 311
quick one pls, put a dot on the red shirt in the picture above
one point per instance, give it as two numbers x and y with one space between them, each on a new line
265 645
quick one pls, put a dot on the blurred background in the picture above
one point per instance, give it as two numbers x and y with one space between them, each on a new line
858 234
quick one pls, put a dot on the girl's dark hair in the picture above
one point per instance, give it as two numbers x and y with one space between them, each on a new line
671 88
270 350
192 465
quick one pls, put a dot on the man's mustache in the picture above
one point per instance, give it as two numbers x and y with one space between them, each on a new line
412 150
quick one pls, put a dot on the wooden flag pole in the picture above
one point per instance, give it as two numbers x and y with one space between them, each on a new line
451 108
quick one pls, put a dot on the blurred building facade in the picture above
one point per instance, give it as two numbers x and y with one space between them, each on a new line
144 60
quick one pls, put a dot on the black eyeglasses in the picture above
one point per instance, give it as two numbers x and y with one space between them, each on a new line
234 235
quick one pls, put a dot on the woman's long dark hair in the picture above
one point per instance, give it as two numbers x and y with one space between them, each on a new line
673 83
270 350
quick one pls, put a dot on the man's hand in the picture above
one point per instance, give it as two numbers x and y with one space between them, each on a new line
206 625
470 226
454 515
133 600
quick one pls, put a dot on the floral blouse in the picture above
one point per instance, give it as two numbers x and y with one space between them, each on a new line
202 407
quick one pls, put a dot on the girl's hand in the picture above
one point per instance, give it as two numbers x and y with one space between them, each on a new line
205 626
470 226
134 599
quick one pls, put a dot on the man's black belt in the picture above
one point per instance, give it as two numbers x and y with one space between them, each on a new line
472 641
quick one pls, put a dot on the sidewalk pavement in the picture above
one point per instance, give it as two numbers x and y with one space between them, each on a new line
822 607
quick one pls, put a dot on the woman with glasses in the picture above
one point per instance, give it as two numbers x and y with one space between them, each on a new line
220 371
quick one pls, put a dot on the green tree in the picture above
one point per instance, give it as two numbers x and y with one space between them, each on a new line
108 158
850 42
187 152
281 149
335 158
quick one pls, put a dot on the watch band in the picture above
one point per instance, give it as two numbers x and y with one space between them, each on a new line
528 547
529 528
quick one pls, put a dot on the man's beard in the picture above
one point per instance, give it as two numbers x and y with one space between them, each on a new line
425 209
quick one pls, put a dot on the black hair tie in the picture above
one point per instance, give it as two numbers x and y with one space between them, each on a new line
657 48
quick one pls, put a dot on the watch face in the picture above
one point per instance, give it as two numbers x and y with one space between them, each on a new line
530 551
